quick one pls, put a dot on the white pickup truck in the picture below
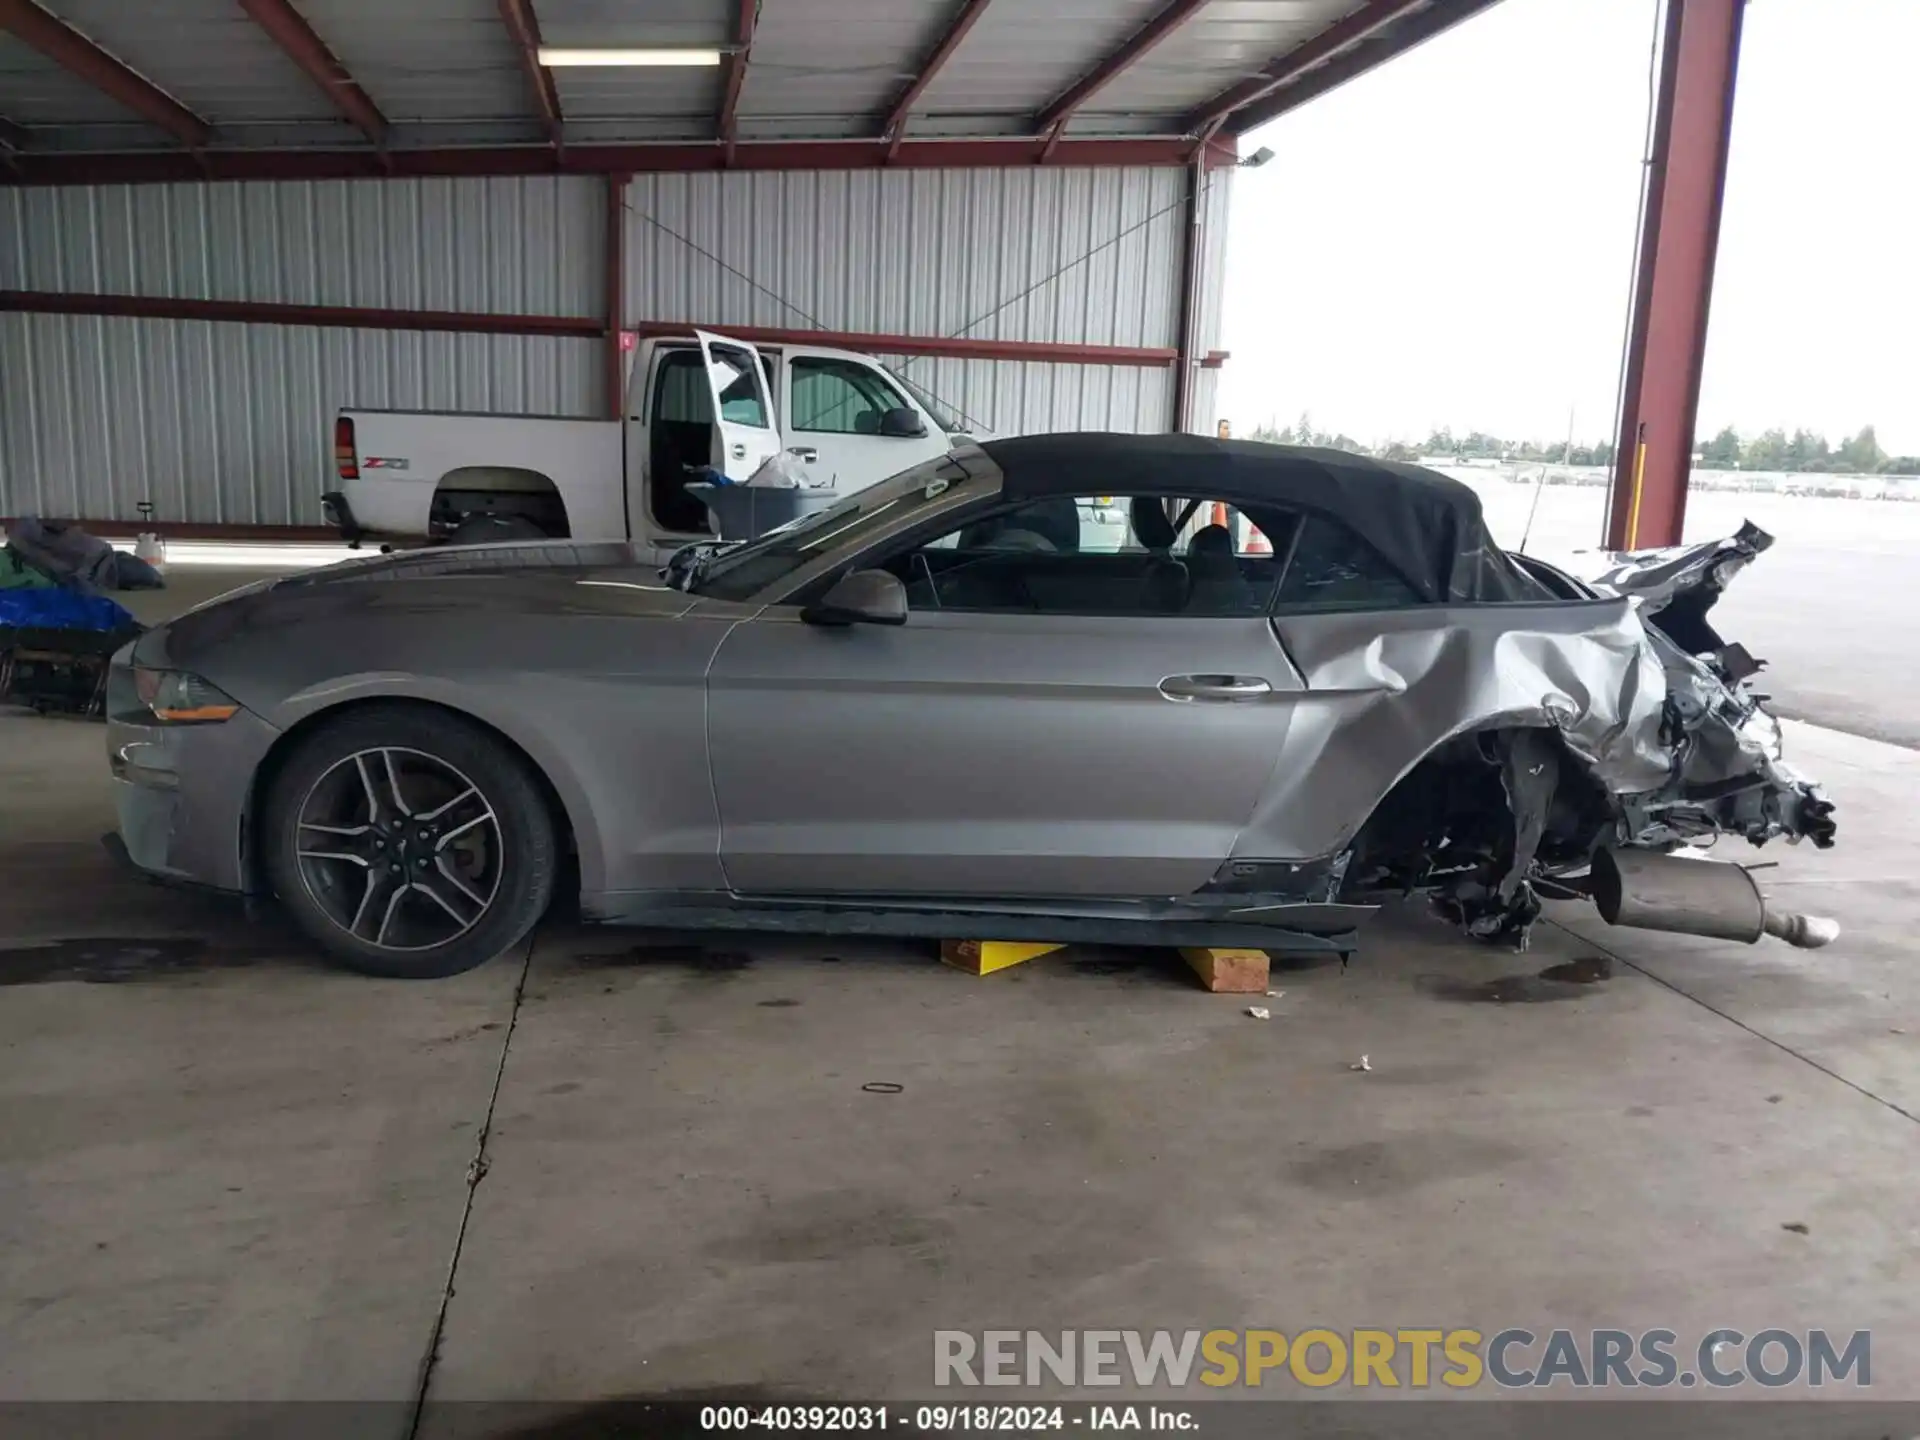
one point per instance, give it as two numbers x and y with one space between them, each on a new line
705 400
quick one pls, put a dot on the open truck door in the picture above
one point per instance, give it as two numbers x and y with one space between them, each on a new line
745 434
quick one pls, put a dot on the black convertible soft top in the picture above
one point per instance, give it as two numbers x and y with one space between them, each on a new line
1429 527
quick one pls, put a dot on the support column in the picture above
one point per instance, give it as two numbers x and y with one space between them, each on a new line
615 360
1190 280
1679 236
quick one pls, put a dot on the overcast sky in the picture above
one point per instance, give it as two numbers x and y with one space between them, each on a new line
1449 240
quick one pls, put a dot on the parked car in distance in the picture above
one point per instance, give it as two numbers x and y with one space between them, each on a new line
415 477
936 710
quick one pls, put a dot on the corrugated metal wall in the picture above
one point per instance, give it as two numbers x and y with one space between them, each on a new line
221 423
1027 397
515 246
1073 256
232 424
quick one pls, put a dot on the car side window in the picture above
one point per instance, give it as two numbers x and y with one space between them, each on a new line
1081 555
839 397
739 395
1333 568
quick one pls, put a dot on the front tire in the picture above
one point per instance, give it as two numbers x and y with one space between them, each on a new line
408 842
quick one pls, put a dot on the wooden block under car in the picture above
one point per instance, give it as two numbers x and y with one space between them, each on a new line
1229 972
983 957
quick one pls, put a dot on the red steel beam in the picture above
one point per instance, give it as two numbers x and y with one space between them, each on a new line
190 530
894 128
1190 237
524 26
1358 59
613 358
728 120
1146 356
288 29
1351 29
1679 238
1169 19
336 317
354 317
71 50
43 168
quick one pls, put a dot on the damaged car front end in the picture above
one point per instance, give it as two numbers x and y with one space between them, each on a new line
1620 745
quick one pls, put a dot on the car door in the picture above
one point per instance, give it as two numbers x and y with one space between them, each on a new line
846 420
744 434
1077 747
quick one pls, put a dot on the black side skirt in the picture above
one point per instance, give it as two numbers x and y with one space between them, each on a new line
1286 929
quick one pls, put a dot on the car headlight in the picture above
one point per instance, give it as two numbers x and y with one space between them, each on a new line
178 698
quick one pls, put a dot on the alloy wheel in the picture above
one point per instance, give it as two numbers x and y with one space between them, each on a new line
399 849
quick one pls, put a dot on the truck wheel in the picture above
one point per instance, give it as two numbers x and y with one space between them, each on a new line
409 843
485 529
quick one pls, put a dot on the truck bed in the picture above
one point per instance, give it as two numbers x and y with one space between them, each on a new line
406 457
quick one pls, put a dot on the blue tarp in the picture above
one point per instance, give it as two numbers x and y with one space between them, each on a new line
61 610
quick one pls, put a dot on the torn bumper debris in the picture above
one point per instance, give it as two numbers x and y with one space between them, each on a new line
1643 734
1729 774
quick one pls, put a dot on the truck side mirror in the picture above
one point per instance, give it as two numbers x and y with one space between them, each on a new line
861 597
902 424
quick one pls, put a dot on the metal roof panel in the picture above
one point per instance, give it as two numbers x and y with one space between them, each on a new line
206 54
1226 42
426 60
35 91
1023 53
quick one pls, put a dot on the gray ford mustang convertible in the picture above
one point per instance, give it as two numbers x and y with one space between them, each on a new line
1101 687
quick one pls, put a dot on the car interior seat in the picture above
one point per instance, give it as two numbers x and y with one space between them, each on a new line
1219 587
1166 585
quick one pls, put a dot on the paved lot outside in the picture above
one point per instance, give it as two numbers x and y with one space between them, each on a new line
1832 606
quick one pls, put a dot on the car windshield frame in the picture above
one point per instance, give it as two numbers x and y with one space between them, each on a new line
744 571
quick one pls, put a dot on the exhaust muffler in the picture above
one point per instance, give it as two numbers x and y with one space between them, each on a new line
1650 891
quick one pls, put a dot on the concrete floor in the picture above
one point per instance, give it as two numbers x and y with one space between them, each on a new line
606 1169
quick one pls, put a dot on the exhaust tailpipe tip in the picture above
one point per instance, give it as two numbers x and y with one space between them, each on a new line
1803 932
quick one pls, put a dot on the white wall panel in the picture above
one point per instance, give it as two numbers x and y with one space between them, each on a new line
232 424
1027 397
523 245
1078 256
229 423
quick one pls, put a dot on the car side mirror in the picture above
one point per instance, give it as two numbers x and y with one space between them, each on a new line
902 424
860 597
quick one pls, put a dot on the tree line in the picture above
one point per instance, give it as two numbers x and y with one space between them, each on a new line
1802 451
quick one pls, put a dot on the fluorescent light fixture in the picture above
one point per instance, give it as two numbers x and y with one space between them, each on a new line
553 55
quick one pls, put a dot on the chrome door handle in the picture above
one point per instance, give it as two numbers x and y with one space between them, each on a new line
739 452
1214 687
805 452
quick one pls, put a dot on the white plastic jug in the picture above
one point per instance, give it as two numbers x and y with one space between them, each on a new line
151 548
